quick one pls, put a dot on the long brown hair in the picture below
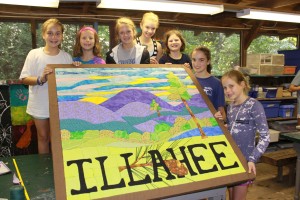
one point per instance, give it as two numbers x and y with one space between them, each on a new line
207 53
77 52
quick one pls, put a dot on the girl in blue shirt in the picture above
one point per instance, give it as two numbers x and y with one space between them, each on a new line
201 62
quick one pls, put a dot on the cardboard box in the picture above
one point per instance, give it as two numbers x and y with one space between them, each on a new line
265 59
289 69
274 135
279 92
286 93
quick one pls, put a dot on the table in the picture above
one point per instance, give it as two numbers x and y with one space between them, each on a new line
295 137
37 173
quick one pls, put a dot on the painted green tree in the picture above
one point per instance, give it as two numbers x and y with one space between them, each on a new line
178 91
155 106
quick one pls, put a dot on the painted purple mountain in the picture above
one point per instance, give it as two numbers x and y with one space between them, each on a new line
86 111
147 126
138 109
132 95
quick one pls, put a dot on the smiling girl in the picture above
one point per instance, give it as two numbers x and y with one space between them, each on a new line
35 73
127 51
201 61
245 119
175 45
149 25
87 47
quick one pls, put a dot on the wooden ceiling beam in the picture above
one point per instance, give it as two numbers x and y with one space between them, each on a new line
86 12
280 3
232 1
277 5
252 34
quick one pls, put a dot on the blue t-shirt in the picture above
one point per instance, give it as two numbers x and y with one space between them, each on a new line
95 60
213 88
167 59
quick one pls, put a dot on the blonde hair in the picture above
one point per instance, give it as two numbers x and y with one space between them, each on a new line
77 52
124 21
151 17
52 21
238 77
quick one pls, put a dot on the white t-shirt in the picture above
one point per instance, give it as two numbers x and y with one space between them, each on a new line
36 61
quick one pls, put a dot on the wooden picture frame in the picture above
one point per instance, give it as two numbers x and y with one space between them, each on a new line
126 150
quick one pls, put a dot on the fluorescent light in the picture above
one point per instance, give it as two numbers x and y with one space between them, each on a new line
268 15
39 3
162 5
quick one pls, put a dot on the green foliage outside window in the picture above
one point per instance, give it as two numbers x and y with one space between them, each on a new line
271 44
225 49
16 42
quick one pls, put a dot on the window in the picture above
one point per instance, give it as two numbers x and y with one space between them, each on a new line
15 43
271 44
103 32
225 48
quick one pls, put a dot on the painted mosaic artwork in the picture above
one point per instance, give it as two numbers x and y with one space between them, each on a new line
127 130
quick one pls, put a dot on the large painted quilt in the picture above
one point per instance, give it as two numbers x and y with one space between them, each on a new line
137 132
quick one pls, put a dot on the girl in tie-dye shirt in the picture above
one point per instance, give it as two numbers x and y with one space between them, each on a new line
245 118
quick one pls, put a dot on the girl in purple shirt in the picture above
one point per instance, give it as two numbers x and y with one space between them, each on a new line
245 118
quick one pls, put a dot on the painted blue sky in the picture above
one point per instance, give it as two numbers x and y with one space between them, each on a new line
96 85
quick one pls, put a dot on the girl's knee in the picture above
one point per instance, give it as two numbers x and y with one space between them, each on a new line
44 137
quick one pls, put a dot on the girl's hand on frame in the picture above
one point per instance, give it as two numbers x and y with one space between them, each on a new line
251 167
76 63
153 60
218 115
45 74
187 65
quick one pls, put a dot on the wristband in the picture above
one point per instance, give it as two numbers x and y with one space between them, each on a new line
38 82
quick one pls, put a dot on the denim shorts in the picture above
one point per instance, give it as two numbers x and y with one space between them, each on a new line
35 117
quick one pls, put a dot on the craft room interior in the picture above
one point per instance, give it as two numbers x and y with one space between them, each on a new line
258 38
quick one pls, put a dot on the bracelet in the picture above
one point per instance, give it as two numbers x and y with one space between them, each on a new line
38 82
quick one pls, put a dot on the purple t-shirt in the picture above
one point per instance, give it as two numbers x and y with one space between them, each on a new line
244 121
95 60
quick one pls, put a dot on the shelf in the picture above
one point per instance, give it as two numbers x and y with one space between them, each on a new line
281 118
273 76
265 76
276 99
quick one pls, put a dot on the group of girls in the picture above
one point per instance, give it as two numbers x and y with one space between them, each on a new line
245 115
